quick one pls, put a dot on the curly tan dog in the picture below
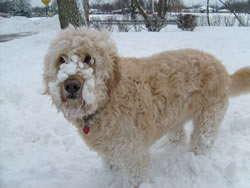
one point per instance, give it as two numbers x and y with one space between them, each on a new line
121 106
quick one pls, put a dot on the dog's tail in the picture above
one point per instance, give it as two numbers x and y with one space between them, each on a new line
240 82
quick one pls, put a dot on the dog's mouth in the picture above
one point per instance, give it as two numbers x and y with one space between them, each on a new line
73 96
78 96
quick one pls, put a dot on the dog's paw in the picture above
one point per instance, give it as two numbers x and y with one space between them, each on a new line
202 144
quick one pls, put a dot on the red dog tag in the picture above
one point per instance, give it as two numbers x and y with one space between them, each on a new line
86 129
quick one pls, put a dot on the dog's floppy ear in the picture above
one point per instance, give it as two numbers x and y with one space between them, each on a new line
114 80
45 75
45 83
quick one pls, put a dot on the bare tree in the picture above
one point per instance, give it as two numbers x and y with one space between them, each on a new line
155 22
71 12
131 5
152 22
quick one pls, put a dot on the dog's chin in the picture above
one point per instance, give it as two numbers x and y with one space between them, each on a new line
76 108
72 107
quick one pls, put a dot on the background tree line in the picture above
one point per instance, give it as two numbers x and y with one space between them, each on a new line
153 12
23 7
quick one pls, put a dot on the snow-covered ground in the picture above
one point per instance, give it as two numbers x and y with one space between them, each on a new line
39 148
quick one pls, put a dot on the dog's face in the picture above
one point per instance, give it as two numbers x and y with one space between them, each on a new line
80 71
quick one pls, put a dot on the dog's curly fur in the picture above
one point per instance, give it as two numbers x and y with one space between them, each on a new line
138 100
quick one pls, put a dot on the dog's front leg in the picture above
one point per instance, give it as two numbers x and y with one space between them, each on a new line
109 164
134 164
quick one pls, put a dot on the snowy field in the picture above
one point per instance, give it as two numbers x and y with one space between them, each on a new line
40 149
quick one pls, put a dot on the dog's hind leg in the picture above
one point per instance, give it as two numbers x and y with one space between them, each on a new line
206 125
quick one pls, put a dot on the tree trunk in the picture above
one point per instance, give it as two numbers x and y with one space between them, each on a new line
160 7
132 10
71 12
208 21
86 11
166 7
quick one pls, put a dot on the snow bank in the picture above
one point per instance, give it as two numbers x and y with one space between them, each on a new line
39 148
22 24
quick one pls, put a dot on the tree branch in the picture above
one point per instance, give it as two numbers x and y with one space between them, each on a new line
143 13
236 16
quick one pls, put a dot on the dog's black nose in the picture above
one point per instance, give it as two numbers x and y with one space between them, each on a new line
72 86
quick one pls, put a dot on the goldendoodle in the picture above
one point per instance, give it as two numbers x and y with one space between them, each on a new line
121 106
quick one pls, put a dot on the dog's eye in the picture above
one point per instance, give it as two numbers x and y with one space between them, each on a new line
62 60
87 59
